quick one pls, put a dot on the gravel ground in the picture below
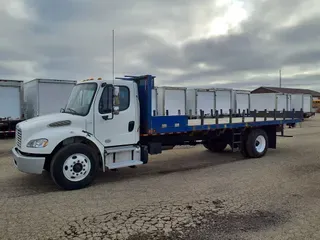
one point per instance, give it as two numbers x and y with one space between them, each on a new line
186 193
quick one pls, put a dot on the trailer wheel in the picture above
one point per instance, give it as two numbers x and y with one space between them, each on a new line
257 143
74 166
215 146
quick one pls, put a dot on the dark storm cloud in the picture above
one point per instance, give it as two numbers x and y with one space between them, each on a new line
250 84
72 39
310 56
236 52
269 15
259 48
6 72
8 54
57 11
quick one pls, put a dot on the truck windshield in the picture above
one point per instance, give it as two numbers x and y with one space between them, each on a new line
80 99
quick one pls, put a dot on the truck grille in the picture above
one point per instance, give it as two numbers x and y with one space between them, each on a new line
18 137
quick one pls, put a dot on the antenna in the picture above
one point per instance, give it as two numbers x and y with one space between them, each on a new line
113 56
280 78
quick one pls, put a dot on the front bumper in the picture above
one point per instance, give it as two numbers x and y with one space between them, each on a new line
28 164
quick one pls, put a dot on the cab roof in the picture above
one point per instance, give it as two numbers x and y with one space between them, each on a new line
100 80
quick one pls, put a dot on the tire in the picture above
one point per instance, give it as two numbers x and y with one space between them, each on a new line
243 151
74 166
215 146
243 147
205 144
257 136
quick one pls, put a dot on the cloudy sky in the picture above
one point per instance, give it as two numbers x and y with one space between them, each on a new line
210 43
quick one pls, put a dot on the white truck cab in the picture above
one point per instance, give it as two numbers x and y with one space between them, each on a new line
98 128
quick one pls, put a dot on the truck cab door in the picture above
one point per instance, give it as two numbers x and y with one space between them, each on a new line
116 128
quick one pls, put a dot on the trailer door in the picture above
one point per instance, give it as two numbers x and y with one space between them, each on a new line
261 101
223 101
289 108
307 103
10 102
205 102
297 102
175 101
242 101
281 102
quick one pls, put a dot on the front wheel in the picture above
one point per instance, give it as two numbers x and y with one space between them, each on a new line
74 166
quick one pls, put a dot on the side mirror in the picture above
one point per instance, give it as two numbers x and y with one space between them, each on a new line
116 100
61 110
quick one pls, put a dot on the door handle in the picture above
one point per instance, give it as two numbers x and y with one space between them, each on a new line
131 126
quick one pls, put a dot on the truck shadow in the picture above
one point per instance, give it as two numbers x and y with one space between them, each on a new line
170 165
178 164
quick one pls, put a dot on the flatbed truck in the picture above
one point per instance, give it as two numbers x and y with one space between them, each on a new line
110 125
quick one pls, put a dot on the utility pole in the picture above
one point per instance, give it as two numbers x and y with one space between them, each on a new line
113 55
280 78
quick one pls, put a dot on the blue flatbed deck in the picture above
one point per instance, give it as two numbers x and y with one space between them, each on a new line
177 124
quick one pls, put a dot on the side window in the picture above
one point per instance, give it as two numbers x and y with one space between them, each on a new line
105 103
124 95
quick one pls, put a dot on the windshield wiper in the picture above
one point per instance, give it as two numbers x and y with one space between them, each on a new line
72 111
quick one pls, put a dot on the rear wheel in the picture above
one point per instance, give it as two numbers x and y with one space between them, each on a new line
74 166
257 143
243 150
215 146
243 147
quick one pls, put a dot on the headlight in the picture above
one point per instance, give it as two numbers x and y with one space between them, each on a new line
38 143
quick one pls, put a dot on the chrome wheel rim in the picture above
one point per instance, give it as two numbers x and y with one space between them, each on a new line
260 144
76 167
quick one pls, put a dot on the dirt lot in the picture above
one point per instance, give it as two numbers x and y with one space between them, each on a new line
184 193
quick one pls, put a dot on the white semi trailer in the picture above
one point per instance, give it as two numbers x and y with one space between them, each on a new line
304 102
45 96
11 106
270 101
